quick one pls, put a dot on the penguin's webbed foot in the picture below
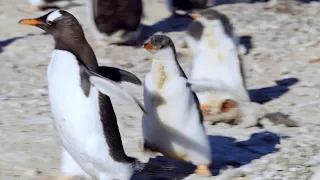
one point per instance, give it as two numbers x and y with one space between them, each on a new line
203 169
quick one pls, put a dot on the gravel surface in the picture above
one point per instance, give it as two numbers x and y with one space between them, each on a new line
285 38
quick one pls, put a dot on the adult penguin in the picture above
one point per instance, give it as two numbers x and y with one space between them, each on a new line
81 107
107 17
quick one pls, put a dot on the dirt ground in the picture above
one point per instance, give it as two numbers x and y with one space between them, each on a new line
284 38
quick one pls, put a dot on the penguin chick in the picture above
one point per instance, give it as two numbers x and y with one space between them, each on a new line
37 5
171 104
80 102
110 16
216 59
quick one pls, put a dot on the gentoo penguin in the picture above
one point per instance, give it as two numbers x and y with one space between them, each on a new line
83 114
216 60
36 5
110 16
173 125
186 5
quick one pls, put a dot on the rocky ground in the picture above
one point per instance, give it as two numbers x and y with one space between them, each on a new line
284 37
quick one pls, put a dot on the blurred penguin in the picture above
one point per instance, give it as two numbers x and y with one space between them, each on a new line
186 5
110 16
37 5
216 61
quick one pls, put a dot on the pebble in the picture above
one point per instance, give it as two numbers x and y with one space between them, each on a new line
40 92
32 173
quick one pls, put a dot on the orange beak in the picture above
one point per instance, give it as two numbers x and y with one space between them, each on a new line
194 15
149 46
30 22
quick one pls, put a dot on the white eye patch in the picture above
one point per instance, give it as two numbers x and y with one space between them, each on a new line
54 15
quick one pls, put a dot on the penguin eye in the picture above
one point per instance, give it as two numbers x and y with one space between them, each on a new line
161 46
49 22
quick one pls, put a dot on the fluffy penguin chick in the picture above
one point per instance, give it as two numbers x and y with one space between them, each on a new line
36 5
173 125
110 16
216 59
81 107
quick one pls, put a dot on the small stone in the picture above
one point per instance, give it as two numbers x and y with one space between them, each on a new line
127 65
265 122
32 172
277 167
280 118
40 92
285 71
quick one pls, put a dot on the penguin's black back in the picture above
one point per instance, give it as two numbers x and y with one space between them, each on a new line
189 4
113 15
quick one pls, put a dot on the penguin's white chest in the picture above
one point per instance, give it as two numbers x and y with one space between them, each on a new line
76 117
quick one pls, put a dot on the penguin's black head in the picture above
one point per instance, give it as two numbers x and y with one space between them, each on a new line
209 14
59 23
212 18
158 42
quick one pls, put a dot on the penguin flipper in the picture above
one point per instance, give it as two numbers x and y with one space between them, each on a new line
205 85
111 89
118 75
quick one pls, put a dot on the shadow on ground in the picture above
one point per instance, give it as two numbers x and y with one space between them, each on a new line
225 152
267 94
7 42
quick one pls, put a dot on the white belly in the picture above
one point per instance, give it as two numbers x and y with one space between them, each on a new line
174 127
77 118
228 72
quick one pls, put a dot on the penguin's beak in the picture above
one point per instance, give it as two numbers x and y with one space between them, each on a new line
31 22
194 15
149 46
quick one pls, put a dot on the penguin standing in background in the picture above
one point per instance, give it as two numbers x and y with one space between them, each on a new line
216 60
110 16
36 5
173 125
186 5
81 107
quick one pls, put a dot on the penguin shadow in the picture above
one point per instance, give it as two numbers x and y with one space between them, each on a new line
267 94
225 152
173 23
7 42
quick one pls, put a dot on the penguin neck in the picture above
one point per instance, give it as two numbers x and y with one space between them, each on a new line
81 49
165 66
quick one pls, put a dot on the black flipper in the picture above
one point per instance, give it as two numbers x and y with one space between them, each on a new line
113 90
118 75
